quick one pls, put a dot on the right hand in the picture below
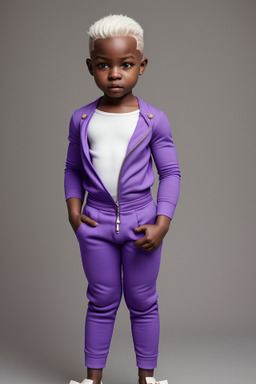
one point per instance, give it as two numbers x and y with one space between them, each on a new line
79 219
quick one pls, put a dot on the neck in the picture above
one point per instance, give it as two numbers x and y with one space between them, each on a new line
125 103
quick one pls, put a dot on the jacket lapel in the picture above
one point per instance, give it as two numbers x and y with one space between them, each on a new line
140 130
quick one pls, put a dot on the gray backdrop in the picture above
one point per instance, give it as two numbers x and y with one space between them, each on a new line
201 72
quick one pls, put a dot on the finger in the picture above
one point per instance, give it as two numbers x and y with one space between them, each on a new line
147 247
88 220
147 244
151 249
140 228
141 242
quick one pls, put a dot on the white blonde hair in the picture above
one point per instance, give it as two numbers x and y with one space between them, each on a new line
115 26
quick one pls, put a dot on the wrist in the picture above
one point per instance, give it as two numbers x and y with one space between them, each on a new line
163 222
73 216
74 206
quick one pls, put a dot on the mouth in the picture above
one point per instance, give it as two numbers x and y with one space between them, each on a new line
115 87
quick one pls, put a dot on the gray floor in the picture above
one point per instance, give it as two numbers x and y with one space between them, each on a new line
182 360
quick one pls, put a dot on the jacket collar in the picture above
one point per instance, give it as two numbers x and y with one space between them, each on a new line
143 106
139 132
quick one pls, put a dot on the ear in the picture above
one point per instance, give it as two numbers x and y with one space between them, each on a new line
143 65
89 65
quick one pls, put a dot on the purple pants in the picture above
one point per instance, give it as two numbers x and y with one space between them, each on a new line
112 264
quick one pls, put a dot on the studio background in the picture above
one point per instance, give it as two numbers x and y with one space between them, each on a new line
201 72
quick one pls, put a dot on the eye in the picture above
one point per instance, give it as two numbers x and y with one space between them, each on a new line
102 65
127 65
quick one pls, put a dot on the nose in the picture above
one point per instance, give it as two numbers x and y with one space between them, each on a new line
114 74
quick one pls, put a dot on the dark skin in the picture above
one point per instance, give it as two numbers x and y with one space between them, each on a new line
116 65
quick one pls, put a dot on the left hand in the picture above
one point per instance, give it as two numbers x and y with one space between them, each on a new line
154 233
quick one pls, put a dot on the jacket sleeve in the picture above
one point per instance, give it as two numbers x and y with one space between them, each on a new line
166 161
74 170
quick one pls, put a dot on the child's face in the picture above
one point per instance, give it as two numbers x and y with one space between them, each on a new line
116 64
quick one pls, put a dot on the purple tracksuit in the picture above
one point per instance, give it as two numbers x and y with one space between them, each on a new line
111 261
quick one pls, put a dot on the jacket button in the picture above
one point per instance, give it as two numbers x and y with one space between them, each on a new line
150 116
84 116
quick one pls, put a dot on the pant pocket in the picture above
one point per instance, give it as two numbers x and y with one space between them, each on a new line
91 212
79 229
146 214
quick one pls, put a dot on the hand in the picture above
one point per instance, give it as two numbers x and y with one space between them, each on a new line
154 233
78 219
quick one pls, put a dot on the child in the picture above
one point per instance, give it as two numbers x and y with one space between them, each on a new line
121 229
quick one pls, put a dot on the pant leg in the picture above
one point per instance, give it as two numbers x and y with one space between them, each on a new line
140 271
102 266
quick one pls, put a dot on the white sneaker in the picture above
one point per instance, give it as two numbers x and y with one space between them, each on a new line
152 380
85 381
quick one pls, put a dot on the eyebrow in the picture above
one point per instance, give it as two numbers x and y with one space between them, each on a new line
101 57
121 58
127 57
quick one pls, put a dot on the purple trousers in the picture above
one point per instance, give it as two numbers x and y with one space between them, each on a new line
112 265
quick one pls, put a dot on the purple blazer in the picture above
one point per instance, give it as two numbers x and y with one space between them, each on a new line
152 137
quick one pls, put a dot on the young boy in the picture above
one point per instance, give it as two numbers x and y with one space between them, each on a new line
121 229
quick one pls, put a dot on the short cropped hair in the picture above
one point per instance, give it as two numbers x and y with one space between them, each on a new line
115 26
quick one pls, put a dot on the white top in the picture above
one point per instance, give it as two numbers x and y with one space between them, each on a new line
109 135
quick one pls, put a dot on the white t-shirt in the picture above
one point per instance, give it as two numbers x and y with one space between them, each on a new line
109 135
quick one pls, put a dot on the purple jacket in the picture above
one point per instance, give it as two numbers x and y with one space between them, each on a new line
152 136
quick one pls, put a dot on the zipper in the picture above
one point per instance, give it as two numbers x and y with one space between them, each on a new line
117 216
117 195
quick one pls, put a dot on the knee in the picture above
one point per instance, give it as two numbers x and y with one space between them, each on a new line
104 299
141 300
